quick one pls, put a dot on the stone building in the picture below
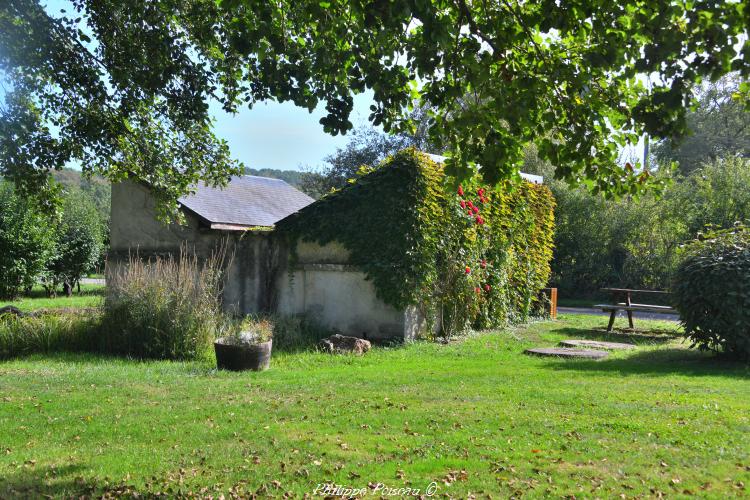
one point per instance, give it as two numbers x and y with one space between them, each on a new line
322 284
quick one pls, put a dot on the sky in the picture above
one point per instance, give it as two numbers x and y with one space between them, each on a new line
281 135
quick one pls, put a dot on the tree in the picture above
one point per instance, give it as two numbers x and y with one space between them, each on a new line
366 148
78 243
636 241
719 128
716 194
97 189
26 242
124 85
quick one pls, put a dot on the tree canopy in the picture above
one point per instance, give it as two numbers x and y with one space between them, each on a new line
366 148
124 85
718 127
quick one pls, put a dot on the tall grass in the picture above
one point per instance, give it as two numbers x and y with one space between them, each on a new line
165 308
20 336
296 333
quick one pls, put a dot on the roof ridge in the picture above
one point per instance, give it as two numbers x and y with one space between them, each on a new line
264 177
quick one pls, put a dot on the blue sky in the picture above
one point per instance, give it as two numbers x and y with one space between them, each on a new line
281 135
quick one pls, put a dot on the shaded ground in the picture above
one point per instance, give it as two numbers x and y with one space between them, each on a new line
474 417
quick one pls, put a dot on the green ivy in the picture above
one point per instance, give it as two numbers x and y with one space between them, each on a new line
421 245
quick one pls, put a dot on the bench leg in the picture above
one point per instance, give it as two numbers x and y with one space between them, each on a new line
611 320
630 319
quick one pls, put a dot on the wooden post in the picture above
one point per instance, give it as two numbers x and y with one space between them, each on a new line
552 293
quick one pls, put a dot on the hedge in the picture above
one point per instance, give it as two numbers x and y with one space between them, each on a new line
473 257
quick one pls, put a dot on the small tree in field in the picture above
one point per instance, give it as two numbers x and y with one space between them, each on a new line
78 243
26 242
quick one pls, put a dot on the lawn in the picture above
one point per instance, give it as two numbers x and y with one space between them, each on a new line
475 416
90 296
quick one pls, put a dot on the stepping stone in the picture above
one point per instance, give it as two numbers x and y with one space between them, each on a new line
566 352
597 344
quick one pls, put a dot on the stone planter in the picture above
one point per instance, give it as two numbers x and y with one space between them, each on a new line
239 356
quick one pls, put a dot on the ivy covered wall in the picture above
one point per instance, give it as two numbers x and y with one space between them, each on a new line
476 257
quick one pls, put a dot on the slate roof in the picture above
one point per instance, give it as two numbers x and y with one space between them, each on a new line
246 201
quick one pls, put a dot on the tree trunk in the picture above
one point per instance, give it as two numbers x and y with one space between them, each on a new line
67 289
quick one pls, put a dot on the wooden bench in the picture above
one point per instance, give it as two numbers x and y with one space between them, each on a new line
622 298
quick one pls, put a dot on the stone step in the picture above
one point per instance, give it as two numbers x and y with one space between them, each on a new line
567 352
597 344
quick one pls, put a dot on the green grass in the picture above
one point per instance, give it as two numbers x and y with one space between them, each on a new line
475 416
90 296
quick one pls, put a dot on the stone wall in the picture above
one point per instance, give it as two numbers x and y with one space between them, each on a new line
135 230
336 295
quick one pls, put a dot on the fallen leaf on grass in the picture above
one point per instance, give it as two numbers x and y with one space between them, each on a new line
453 476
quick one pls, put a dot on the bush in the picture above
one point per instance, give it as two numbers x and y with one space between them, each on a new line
712 291
20 336
168 308
634 242
26 242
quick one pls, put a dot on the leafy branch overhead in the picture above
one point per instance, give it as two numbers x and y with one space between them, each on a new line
124 86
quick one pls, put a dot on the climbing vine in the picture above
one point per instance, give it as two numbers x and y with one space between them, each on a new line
476 257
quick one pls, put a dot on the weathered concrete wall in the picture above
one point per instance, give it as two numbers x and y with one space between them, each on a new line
251 274
322 284
336 295
134 224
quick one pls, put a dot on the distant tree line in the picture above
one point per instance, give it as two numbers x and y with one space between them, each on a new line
637 241
294 178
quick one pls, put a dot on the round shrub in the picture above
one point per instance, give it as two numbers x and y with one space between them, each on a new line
712 291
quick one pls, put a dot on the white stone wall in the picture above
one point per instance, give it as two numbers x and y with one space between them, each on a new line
323 286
